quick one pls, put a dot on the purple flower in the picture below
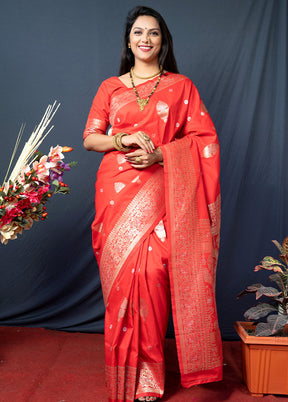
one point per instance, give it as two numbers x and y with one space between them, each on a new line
55 175
65 166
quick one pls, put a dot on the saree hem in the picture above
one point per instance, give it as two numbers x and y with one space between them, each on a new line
149 394
203 377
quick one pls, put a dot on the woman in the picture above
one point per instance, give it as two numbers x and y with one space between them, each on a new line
156 229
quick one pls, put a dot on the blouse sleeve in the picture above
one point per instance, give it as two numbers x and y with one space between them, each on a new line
98 118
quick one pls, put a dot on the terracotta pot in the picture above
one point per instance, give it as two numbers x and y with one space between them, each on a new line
264 361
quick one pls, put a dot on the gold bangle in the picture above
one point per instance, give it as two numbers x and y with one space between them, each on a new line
117 143
114 142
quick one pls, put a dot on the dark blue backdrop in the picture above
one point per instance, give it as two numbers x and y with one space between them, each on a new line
236 54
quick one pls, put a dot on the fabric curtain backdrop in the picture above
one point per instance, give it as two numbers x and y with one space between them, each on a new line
234 52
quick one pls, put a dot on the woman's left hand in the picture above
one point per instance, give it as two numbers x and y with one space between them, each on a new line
140 159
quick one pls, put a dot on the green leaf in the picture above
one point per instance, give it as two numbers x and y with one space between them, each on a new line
263 329
268 261
259 311
62 190
55 183
267 291
250 289
275 268
277 278
2 212
23 223
276 322
72 164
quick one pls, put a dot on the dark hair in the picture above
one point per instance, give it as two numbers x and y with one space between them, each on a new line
166 55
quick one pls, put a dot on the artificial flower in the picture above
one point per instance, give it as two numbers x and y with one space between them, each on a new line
55 155
42 168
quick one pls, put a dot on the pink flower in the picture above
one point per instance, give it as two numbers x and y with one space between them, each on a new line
33 196
42 168
42 190
11 212
55 155
24 203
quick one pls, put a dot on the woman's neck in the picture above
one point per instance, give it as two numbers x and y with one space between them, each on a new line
146 69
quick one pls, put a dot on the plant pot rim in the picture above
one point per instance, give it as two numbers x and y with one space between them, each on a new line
241 326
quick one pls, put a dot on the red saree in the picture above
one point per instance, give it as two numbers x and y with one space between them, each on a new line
156 237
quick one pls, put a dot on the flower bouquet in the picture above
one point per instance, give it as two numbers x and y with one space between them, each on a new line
33 181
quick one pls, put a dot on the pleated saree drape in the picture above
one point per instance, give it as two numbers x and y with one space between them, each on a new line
156 237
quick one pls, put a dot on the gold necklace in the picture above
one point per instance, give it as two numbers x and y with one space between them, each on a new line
143 102
146 78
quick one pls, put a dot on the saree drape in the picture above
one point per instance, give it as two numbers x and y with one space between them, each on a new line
156 237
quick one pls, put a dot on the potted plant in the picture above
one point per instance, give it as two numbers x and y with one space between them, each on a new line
265 344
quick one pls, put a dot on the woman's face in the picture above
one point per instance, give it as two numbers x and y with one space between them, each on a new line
146 39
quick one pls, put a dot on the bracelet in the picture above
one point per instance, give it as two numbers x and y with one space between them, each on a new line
117 143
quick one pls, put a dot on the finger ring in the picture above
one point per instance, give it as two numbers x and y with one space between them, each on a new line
138 159
146 137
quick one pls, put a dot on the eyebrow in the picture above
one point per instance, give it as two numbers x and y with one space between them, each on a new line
151 29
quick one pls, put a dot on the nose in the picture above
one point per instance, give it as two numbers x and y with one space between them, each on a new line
146 37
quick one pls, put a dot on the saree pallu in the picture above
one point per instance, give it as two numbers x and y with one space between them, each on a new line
156 237
194 234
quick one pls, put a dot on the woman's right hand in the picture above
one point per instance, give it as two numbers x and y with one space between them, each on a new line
137 140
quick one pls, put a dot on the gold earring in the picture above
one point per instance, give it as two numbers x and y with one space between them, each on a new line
129 45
